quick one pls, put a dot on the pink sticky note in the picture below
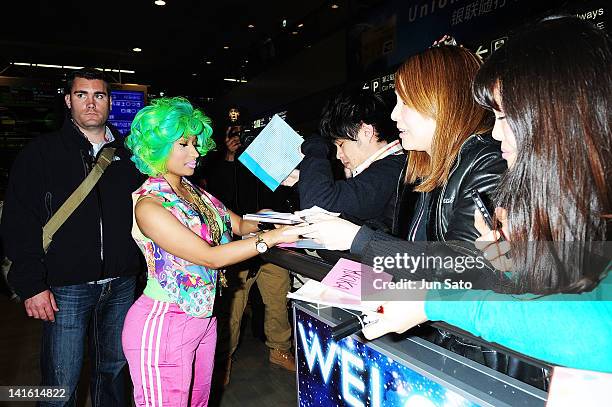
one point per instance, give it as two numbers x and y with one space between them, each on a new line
346 276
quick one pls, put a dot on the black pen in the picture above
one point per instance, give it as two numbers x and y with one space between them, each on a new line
352 325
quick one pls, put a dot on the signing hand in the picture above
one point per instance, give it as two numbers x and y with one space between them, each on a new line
41 306
333 232
488 242
398 316
283 234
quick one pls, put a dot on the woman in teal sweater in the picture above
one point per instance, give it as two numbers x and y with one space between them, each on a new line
550 88
572 330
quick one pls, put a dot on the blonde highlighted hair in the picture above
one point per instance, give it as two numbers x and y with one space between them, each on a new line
437 83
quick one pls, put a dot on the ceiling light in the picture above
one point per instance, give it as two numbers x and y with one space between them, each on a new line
208 62
226 47
115 70
300 25
251 26
234 80
46 65
194 74
246 61
136 49
160 3
335 6
49 66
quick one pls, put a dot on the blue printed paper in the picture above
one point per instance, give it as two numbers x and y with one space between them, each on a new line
274 153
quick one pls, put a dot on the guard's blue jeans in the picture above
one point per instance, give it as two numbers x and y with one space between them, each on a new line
96 311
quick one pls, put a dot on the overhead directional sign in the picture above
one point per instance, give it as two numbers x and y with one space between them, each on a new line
481 51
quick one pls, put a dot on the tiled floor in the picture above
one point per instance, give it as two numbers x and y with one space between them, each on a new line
253 382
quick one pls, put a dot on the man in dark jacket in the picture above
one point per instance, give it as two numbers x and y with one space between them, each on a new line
358 123
84 285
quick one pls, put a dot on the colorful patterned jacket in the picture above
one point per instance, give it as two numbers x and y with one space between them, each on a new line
192 287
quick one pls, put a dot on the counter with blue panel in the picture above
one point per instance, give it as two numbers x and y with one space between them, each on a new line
394 370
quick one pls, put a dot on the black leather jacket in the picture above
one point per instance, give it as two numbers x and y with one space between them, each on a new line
449 212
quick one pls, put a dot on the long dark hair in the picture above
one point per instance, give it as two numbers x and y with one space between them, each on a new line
555 83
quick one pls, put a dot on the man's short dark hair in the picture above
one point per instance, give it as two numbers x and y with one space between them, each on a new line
343 116
86 73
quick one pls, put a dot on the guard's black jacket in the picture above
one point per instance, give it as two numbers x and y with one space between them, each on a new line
95 242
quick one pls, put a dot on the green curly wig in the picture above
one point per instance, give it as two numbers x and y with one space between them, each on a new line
157 126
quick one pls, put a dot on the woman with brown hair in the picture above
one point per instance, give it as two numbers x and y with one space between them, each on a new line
450 154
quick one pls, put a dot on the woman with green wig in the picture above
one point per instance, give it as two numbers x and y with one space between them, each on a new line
185 235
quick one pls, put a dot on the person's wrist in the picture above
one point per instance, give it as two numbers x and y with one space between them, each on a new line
270 238
261 245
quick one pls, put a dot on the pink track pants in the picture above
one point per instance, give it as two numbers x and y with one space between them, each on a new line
170 354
